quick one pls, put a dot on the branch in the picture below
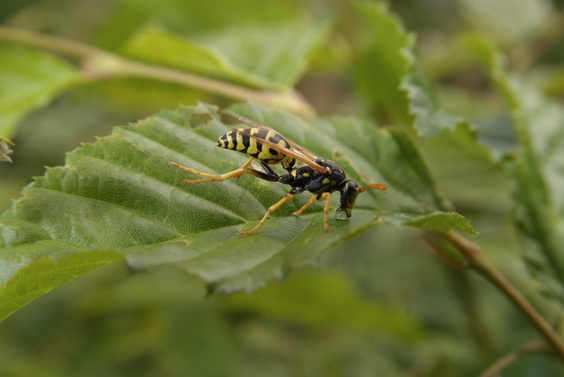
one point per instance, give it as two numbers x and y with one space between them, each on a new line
474 255
100 64
495 368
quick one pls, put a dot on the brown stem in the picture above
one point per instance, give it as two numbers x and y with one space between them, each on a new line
101 64
474 255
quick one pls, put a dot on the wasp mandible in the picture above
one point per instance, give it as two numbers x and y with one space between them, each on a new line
319 176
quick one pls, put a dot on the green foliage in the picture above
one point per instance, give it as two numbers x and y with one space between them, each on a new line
536 175
450 107
220 56
310 300
37 275
385 58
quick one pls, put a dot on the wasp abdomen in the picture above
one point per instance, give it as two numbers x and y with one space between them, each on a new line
245 140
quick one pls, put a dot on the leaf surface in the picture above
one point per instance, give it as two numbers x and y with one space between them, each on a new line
29 79
120 194
388 74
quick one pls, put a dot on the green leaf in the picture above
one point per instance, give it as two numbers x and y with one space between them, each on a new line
388 74
469 173
29 79
424 105
5 150
190 17
326 301
256 62
44 274
385 59
120 194
443 221
536 172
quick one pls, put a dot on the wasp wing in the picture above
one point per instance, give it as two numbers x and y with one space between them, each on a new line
295 150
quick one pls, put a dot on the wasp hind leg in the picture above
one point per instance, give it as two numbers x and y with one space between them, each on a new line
270 209
237 173
268 175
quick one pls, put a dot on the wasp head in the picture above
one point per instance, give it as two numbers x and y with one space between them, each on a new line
349 192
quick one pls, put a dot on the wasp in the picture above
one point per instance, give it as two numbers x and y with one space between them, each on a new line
319 176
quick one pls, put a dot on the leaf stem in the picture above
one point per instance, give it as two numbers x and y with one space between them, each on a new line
100 64
475 257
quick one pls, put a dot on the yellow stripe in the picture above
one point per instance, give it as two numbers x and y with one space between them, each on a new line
288 162
240 146
266 154
253 149
230 143
270 134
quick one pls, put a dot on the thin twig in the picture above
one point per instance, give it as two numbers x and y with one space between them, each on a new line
444 256
100 64
473 254
509 359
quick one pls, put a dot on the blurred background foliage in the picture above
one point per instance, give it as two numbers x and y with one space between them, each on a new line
324 320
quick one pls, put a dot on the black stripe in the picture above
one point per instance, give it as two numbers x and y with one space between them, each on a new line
246 141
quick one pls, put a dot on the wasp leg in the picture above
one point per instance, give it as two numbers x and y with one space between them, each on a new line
305 206
268 175
327 197
261 175
214 178
268 169
271 209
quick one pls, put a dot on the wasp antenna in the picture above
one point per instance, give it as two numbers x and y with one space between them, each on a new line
377 186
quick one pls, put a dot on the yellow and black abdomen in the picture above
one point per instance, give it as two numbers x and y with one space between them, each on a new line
247 140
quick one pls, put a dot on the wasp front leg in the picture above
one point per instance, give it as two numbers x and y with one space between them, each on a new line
237 173
327 197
